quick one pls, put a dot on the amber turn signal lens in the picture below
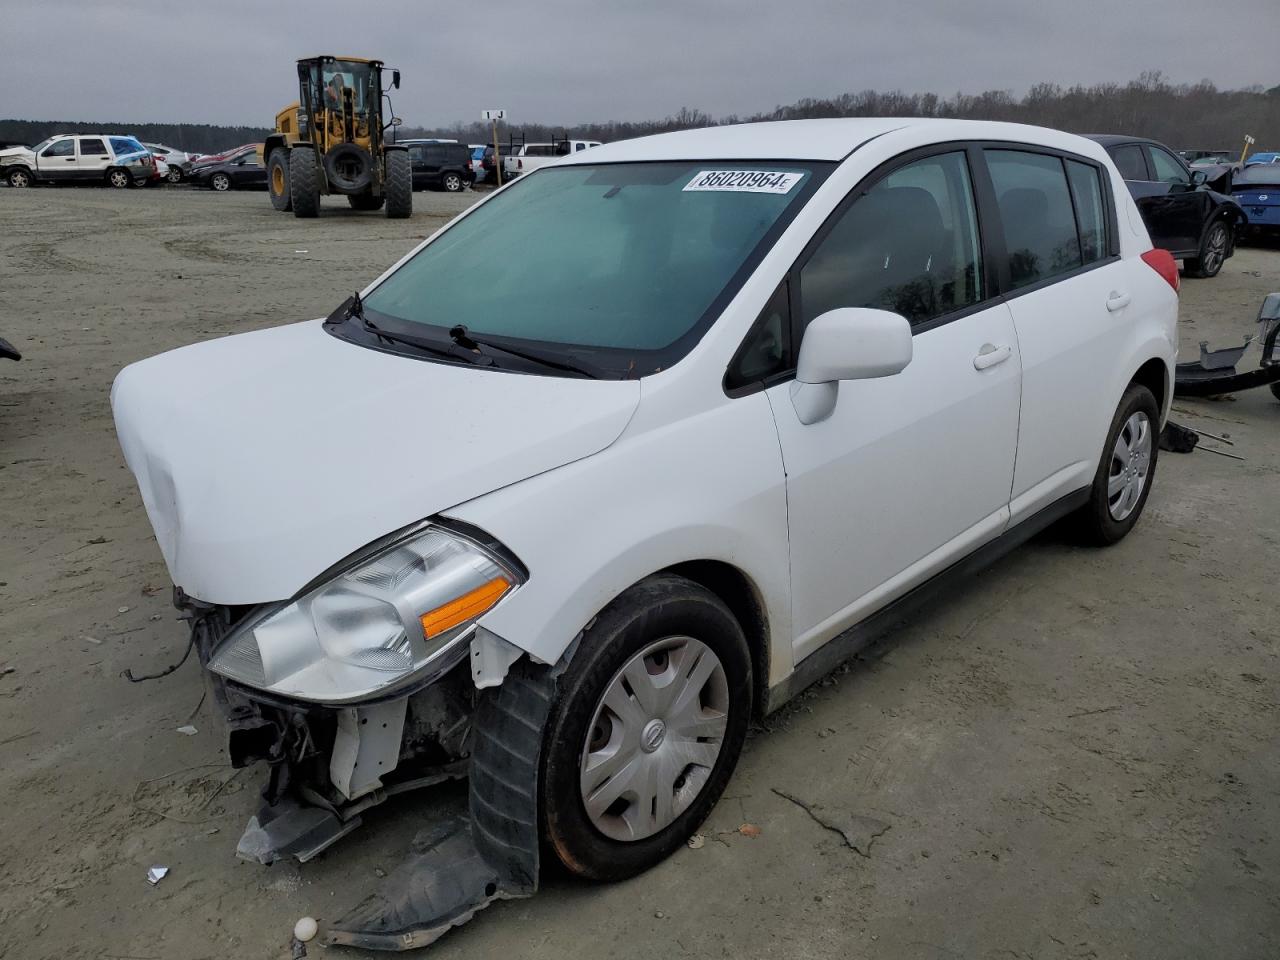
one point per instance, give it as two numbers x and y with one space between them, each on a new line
467 607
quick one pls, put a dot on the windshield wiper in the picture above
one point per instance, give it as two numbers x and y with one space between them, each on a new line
466 340
355 311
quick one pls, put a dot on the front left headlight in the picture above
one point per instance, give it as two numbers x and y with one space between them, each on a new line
390 618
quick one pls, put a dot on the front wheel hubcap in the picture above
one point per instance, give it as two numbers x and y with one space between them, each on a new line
1130 463
654 738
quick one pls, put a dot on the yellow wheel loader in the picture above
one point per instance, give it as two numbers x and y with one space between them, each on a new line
331 141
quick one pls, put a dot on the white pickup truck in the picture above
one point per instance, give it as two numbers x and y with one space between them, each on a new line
531 156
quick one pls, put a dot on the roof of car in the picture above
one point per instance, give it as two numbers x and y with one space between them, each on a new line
832 139
1112 139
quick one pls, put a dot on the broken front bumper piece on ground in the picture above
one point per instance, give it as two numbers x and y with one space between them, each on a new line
1215 372
482 718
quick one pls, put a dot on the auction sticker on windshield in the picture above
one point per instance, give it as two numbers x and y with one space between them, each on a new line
744 181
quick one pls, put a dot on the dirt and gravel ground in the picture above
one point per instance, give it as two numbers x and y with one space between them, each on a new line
1076 757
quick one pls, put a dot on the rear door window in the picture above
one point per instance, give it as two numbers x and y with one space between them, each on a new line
908 244
92 147
1035 209
1130 162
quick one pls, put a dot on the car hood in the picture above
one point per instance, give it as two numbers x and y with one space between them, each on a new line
16 153
264 458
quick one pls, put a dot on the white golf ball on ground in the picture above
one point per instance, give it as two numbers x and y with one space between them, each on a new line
305 929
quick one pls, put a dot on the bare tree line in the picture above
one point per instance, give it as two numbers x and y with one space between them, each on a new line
1196 116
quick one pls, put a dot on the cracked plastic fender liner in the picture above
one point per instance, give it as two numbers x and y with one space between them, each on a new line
462 864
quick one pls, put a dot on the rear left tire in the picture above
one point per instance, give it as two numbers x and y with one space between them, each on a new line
1125 473
649 721
119 178
1215 246
452 182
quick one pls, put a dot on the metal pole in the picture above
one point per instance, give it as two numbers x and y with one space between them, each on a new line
497 157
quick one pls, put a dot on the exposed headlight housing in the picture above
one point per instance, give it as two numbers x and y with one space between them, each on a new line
393 617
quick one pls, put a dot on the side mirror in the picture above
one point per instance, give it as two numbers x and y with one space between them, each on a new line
1198 177
395 79
849 343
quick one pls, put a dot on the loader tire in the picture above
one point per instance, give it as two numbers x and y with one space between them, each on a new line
278 180
399 185
364 201
304 183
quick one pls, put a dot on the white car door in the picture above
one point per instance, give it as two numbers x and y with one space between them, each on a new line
908 472
93 158
57 162
1070 297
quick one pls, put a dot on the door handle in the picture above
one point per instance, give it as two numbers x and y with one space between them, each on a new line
990 355
1117 301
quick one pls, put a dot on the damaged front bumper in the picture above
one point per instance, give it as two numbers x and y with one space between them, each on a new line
481 718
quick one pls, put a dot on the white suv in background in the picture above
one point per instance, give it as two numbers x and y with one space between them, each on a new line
117 161
632 451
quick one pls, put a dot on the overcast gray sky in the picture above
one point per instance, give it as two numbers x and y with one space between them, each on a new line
562 61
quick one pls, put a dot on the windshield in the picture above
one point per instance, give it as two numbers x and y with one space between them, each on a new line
624 264
338 76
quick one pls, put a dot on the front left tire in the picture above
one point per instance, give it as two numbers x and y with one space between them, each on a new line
18 177
221 182
649 721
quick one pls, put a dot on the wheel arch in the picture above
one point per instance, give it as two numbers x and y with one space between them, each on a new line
745 602
1154 374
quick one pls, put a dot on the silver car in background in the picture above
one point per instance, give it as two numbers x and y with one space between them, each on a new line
178 161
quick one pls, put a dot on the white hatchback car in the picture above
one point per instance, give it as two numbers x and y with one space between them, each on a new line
728 403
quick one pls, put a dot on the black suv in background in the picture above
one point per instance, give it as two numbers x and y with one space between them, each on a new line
445 166
1197 225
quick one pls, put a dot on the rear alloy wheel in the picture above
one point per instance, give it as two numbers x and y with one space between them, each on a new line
220 182
649 721
1213 251
18 178
119 178
174 175
452 182
278 180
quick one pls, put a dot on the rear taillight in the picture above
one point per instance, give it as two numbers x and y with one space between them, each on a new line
1162 262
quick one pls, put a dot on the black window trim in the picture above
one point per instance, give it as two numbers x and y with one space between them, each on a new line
1006 288
794 333
991 245
1146 159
